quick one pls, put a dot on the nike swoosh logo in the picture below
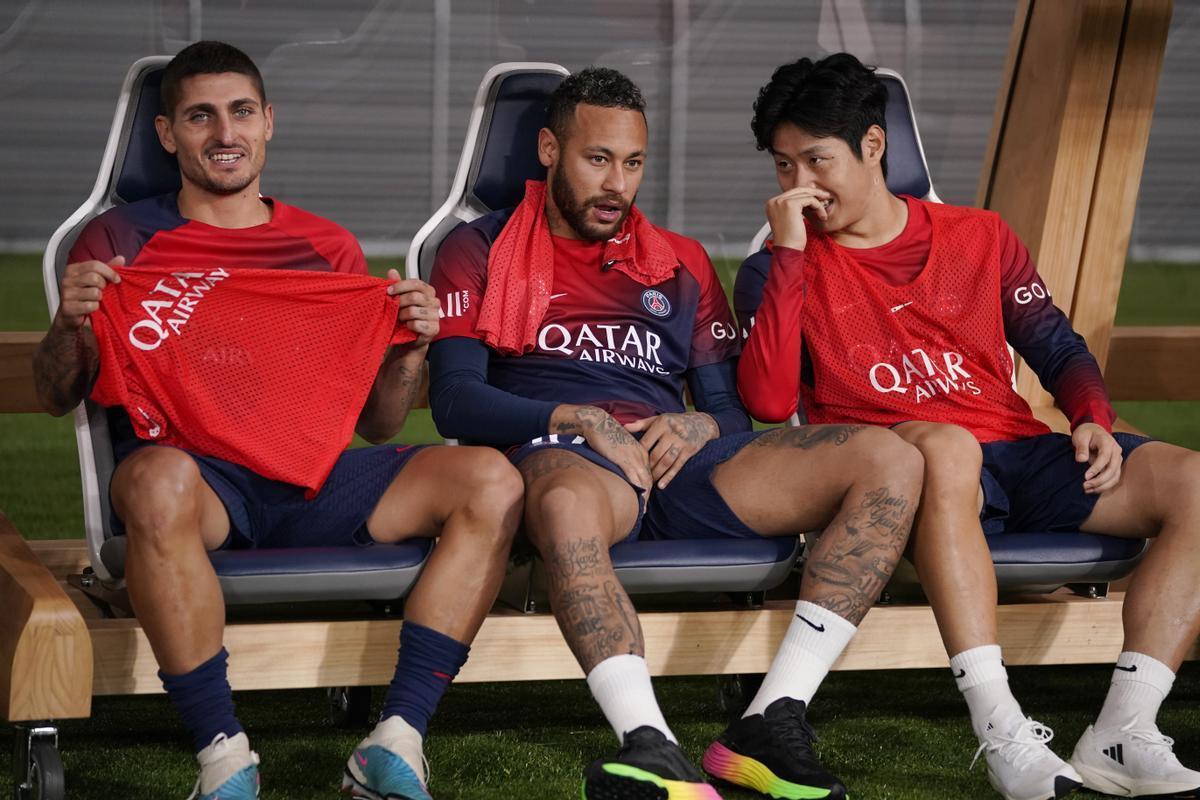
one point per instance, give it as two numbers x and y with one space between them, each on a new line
1127 669
360 758
962 673
811 624
894 309
556 296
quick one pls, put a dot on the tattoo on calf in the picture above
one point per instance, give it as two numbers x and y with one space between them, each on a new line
806 437
854 558
594 614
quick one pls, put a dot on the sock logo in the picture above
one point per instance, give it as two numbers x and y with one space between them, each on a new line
1132 668
818 628
1116 753
962 673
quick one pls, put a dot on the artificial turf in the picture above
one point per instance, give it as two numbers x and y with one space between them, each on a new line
901 735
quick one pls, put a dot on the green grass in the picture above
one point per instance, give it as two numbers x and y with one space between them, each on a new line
899 736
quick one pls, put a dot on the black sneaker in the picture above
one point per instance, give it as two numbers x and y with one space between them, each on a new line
649 766
772 753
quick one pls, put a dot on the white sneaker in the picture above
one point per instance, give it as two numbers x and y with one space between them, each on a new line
1020 765
228 769
388 764
1133 762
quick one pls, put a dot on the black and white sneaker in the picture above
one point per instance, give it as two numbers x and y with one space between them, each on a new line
1133 762
649 766
772 753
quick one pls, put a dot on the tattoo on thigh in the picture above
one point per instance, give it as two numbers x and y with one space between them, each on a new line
849 564
548 461
806 437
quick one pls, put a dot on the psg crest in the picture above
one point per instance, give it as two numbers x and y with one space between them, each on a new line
656 302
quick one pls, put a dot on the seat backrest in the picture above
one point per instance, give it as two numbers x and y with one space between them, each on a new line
908 172
134 166
498 155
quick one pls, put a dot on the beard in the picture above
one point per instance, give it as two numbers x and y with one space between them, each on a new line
220 184
575 212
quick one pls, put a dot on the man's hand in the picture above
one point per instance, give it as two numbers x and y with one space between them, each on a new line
785 213
671 439
606 436
418 307
1097 446
82 285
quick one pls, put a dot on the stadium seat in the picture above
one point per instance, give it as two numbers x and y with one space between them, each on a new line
498 156
1025 561
134 166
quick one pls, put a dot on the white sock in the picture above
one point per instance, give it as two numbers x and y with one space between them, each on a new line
813 641
1139 685
621 685
983 681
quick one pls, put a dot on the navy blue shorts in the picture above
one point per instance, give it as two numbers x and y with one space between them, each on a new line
689 508
267 513
1036 484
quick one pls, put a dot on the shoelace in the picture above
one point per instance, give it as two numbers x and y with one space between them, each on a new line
795 732
1021 748
219 744
1162 746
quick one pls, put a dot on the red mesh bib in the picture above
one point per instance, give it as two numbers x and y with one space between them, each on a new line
265 368
932 349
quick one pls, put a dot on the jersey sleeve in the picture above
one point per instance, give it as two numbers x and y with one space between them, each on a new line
769 296
1042 335
460 277
714 336
95 242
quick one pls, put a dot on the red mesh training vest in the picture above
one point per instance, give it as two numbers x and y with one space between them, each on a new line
266 368
932 350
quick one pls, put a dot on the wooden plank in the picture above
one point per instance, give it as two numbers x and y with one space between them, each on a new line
1154 363
1119 174
45 650
1055 629
1016 43
1044 169
62 557
16 372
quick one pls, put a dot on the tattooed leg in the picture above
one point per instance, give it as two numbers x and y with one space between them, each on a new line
575 511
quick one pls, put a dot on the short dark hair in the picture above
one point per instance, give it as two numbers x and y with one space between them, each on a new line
836 96
594 86
205 58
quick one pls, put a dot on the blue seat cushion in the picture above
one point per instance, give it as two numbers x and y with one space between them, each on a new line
701 552
327 560
508 160
1061 548
147 170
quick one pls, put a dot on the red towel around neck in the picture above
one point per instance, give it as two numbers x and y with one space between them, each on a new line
520 272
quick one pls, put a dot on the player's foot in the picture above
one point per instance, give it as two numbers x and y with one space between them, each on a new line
228 770
1133 761
387 765
1021 766
649 766
772 753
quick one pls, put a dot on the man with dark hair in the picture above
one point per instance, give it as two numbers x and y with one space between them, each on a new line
875 309
175 506
571 325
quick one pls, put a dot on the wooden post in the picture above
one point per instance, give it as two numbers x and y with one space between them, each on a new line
1068 145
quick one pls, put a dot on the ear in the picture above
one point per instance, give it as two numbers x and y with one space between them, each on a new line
269 113
547 148
165 135
874 145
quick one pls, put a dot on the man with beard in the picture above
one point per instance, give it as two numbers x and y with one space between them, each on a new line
571 323
175 506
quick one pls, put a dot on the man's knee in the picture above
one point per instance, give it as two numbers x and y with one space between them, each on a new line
952 453
881 455
156 492
555 507
494 489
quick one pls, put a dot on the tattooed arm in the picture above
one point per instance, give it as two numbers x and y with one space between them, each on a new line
606 436
399 377
67 361
671 439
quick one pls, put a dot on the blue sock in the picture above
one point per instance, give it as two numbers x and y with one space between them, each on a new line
428 661
204 700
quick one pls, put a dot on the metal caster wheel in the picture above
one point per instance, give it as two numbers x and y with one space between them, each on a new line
38 767
349 706
736 692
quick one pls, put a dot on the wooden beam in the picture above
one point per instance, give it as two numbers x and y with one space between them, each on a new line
45 649
1070 145
1055 629
1154 363
16 372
